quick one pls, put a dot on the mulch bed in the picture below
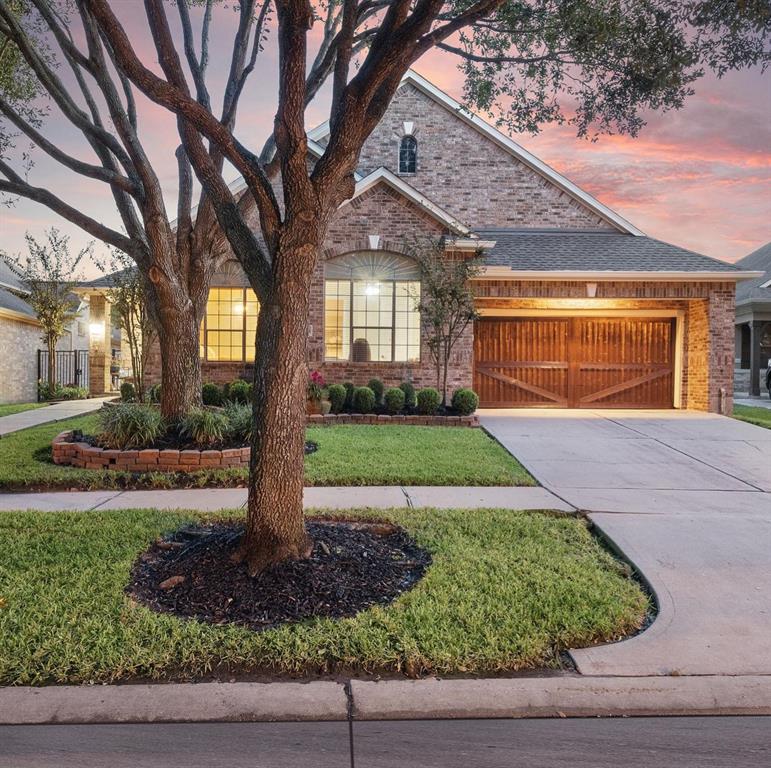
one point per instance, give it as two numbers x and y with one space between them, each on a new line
172 440
354 565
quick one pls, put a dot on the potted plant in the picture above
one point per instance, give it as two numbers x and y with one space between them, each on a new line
315 391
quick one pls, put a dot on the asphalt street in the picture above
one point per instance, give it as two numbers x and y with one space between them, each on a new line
695 742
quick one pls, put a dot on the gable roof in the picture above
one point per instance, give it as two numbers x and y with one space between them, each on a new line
757 289
559 254
383 176
505 142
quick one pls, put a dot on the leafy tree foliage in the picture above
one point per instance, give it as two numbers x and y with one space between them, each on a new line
48 275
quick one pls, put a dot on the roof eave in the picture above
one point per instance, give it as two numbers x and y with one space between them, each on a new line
382 174
507 273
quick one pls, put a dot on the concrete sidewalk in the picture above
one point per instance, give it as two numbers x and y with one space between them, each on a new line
55 412
322 497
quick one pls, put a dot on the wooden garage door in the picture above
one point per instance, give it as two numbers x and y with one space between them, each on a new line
574 362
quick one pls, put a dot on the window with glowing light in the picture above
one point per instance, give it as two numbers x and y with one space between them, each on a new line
370 308
229 327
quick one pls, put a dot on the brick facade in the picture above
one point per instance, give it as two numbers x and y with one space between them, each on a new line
479 183
19 341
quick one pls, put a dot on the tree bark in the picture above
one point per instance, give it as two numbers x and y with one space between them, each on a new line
275 528
180 361
51 344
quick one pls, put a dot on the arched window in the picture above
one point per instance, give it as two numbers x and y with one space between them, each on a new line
370 308
408 155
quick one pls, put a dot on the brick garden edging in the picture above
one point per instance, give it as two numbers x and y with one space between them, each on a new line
331 419
85 456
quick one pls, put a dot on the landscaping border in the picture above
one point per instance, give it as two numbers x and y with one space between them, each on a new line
333 419
85 456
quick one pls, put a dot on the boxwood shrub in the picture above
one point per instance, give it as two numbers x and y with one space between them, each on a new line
377 386
394 400
363 400
211 394
428 401
409 394
465 401
127 392
239 391
350 387
337 396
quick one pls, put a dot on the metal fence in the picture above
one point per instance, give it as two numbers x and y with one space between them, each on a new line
71 367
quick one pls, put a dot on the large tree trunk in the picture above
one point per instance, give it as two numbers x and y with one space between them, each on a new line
275 529
180 361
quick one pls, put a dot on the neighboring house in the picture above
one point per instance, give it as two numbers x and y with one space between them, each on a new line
578 308
753 322
21 339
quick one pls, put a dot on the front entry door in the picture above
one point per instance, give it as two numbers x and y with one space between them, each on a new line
574 362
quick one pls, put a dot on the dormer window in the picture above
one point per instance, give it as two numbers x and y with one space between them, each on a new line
408 155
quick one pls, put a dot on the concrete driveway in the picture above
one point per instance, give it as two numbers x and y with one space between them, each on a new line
687 497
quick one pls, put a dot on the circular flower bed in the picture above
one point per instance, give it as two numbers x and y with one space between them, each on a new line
353 565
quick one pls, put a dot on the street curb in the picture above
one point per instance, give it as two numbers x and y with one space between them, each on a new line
563 696
173 703
560 697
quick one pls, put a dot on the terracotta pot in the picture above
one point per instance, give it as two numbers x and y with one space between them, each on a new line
313 407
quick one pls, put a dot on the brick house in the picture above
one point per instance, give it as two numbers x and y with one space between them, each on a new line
577 307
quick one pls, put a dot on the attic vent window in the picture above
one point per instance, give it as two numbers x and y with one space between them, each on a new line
408 155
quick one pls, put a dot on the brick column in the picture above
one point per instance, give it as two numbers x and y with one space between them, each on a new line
100 346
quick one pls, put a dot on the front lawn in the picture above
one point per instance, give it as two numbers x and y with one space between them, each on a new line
347 455
11 408
754 415
506 591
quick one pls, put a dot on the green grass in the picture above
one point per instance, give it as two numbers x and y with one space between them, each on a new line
754 415
11 408
347 455
506 591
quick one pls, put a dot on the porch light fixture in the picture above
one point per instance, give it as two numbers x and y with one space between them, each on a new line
591 290
96 331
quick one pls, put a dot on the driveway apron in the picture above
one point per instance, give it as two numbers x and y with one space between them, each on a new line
686 496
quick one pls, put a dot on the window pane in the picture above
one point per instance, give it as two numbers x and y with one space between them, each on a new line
379 334
337 319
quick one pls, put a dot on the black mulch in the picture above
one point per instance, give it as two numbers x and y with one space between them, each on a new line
354 565
174 441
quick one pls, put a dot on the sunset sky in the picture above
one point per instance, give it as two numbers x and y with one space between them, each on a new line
699 178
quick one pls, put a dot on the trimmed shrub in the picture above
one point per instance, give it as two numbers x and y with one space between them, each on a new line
239 418
394 400
377 386
154 393
428 400
350 387
409 394
465 401
127 392
130 425
239 391
58 392
337 396
211 394
204 426
363 400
